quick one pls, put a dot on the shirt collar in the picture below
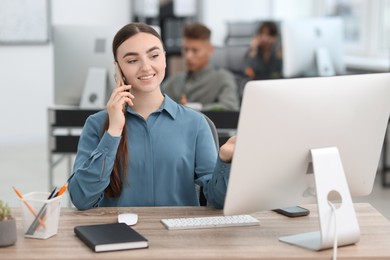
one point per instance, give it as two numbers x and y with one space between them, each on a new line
168 105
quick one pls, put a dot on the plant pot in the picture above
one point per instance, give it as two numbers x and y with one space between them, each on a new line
8 233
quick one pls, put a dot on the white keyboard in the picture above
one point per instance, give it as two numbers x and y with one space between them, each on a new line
210 222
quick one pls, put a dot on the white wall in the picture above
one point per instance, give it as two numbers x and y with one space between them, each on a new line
26 71
25 93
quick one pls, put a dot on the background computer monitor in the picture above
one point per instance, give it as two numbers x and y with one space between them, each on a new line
303 39
282 120
77 49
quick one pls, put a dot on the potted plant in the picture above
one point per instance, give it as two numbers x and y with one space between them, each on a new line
7 226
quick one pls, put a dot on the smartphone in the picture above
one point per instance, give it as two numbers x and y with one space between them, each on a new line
119 75
119 78
295 211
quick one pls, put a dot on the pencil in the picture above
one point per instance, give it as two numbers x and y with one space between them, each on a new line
61 190
28 206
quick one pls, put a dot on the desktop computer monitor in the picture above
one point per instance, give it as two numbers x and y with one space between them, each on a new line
282 120
83 62
313 47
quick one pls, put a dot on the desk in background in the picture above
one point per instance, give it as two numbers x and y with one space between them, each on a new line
64 128
259 242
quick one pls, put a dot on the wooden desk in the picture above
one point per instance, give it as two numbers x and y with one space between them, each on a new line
259 242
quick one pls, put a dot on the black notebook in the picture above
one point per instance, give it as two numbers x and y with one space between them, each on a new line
110 237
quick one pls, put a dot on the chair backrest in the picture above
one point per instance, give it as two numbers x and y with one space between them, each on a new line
213 128
230 58
214 131
226 123
240 33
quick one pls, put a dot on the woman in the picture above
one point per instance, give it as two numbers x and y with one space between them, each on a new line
264 58
145 149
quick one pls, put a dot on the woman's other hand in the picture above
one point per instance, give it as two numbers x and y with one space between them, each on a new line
226 150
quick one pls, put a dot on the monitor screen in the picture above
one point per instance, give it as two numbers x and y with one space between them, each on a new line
282 120
77 49
313 47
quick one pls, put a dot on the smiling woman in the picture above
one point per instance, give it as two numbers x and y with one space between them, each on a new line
145 149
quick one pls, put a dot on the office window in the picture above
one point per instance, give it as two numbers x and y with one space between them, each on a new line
352 13
355 16
384 30
367 25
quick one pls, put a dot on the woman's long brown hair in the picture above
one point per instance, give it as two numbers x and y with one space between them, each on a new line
119 172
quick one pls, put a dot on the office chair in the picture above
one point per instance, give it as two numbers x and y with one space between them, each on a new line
240 33
231 58
202 198
214 131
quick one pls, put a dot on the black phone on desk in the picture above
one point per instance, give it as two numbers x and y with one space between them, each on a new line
295 211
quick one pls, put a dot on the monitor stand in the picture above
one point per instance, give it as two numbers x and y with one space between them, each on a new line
329 181
325 66
94 93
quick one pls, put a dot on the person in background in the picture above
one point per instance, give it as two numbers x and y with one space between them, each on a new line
214 88
144 149
263 60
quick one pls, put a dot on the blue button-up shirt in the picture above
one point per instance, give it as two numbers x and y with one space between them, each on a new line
169 153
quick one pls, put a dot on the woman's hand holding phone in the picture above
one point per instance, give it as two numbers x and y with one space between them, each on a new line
119 98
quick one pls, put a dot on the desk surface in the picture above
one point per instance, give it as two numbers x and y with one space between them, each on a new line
260 242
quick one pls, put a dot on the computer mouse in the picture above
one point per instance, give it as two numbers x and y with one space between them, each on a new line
128 218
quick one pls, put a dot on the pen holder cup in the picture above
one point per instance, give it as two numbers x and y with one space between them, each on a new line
40 215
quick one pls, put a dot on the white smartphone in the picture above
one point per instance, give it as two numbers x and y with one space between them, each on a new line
119 75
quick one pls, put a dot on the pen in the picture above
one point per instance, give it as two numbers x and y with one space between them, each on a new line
41 215
28 206
52 193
